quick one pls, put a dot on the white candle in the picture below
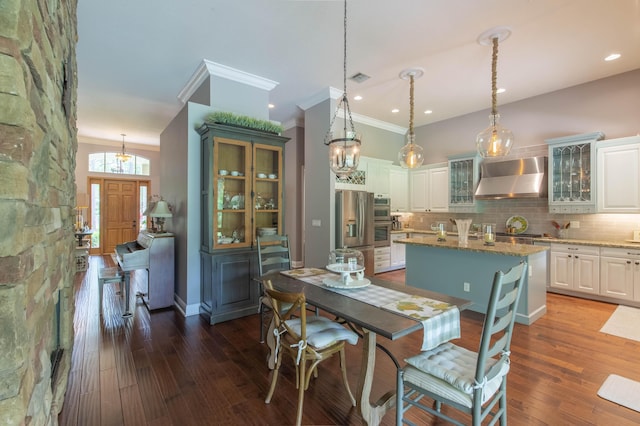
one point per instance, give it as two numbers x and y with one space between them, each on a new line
489 238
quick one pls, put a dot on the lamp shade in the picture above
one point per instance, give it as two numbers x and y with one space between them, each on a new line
161 209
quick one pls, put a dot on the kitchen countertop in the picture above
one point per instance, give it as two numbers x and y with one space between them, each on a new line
507 249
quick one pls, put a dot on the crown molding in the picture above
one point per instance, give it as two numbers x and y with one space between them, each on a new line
294 122
208 68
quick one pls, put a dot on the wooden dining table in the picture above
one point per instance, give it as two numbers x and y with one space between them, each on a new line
370 321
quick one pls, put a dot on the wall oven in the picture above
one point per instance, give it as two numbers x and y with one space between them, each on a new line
382 234
382 210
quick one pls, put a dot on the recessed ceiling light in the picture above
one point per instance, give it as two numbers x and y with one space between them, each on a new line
395 110
272 106
428 111
357 98
501 90
612 57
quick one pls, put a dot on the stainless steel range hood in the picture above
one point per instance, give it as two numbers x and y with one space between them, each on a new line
523 178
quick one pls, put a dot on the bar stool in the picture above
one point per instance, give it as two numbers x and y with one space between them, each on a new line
109 275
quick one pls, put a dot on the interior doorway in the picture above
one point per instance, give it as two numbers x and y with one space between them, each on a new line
117 212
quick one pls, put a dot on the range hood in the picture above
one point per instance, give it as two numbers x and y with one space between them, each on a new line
523 178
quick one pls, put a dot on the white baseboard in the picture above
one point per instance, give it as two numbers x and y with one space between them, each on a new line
297 264
186 310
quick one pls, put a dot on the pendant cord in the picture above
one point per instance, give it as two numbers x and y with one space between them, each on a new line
411 104
494 66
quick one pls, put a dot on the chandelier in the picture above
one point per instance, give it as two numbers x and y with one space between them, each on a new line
411 155
123 156
495 140
344 144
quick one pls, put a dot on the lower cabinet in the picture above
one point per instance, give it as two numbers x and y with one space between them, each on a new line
382 259
575 268
398 250
228 290
620 273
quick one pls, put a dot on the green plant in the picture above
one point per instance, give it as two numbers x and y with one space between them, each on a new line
243 121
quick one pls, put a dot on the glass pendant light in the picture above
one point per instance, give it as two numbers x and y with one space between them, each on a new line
344 144
123 156
495 140
411 155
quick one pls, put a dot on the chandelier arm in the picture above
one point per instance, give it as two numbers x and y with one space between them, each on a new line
494 78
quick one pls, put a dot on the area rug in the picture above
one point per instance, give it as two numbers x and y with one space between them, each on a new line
623 323
622 391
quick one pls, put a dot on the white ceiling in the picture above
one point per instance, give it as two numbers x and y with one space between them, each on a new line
134 57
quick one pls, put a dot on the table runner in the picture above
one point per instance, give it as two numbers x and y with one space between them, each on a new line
440 320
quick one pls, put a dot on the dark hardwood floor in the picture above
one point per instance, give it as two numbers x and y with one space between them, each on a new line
163 369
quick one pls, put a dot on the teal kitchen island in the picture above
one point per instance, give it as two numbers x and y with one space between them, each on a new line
467 272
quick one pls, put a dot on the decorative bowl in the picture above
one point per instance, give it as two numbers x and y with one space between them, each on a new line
262 175
272 176
224 172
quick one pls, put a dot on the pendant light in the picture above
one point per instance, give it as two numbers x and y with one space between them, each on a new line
495 140
344 144
411 155
123 156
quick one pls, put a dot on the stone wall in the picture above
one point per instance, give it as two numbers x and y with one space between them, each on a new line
37 197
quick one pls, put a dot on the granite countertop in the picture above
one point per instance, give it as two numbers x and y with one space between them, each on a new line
597 243
506 249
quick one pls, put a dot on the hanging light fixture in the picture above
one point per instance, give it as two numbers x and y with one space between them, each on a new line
495 140
411 155
344 144
123 156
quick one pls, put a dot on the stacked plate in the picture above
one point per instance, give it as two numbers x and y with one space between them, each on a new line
267 231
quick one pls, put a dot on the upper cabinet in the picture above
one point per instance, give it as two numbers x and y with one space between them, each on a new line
399 182
464 174
572 174
242 192
429 189
378 172
358 180
618 177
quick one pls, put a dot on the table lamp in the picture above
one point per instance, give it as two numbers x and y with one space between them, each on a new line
161 212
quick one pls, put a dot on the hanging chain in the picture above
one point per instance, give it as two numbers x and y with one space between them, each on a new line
494 66
411 104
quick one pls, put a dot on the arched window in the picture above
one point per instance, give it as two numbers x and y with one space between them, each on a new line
106 162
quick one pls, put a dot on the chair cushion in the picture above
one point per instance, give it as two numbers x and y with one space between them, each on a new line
449 370
323 332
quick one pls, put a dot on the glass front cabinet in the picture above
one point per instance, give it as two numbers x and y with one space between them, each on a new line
464 174
241 198
572 173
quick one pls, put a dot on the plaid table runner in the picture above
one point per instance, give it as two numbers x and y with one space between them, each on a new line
441 321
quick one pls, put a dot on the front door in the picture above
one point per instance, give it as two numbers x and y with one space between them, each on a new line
121 213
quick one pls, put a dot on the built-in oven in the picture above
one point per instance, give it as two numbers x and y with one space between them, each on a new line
382 234
382 209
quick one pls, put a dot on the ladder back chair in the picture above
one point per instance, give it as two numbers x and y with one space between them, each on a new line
472 382
308 341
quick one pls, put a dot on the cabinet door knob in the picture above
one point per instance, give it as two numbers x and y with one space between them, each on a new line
629 262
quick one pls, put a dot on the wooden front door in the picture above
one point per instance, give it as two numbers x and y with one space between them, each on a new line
121 213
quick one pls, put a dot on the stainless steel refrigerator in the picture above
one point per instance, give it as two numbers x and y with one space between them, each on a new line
354 224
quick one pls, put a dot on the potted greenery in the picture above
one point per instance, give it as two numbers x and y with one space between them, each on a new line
231 119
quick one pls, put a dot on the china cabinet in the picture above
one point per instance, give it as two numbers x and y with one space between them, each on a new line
429 188
241 198
574 267
572 173
464 174
618 189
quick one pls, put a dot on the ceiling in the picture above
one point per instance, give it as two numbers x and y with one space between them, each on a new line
134 57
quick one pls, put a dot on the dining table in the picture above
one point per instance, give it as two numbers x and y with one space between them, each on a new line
371 318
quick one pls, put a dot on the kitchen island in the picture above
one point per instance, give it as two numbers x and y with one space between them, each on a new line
467 272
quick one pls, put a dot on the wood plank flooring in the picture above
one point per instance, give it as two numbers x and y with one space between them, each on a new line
163 369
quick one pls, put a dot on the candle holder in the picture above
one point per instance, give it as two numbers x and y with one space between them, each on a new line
441 233
489 234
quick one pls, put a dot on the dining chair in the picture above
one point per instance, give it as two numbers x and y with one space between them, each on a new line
273 255
472 382
308 341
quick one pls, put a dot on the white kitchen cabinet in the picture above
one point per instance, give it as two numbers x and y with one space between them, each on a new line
358 180
572 162
618 189
398 255
464 175
382 261
399 191
429 189
378 177
574 267
620 273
